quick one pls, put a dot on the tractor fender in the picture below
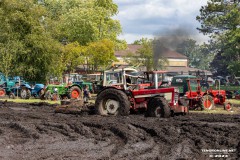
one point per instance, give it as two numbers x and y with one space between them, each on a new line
157 96
75 85
106 88
26 86
210 94
38 86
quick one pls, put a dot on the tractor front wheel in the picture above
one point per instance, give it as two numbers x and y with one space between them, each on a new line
112 102
207 102
41 93
158 107
75 93
25 93
2 92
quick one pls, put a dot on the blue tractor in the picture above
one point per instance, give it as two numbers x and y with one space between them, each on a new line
16 86
25 91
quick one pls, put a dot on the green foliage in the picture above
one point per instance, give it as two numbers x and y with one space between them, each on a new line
218 16
33 34
8 51
221 20
199 56
85 21
146 54
29 48
100 54
73 56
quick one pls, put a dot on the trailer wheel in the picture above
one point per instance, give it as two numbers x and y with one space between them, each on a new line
112 102
25 93
158 107
75 93
207 102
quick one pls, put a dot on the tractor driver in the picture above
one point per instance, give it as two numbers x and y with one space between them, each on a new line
128 80
129 83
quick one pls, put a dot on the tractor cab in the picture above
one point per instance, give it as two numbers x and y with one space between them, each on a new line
118 78
156 79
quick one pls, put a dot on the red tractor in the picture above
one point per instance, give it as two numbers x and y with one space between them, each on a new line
196 98
145 92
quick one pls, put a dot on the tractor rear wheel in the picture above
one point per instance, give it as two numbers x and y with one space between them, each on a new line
112 102
207 102
158 107
2 92
75 93
25 93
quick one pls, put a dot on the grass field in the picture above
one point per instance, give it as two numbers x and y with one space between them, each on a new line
33 100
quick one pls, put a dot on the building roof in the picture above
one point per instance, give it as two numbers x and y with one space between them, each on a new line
173 54
132 48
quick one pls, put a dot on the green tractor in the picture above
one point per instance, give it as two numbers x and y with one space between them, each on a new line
73 89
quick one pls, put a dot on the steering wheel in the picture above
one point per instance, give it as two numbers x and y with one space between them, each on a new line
132 87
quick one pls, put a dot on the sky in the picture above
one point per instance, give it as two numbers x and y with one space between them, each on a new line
152 18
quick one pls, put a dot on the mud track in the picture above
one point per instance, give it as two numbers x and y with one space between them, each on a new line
34 131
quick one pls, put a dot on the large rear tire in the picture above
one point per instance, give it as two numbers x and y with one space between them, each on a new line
112 102
75 93
207 102
158 107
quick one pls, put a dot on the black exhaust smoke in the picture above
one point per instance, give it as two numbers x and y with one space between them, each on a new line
168 40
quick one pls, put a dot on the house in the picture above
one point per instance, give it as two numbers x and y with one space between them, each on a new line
177 62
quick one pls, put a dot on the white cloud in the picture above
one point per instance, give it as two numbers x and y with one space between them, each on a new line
148 17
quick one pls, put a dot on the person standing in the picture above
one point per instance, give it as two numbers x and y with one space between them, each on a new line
86 94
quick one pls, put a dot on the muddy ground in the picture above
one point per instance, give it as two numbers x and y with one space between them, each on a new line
34 131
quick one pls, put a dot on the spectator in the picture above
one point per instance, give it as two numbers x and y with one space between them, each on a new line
86 94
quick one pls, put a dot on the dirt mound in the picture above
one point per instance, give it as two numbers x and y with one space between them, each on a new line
33 131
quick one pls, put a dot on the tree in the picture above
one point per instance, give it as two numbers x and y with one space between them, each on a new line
221 21
33 34
25 40
199 56
190 49
8 52
73 55
85 21
100 54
